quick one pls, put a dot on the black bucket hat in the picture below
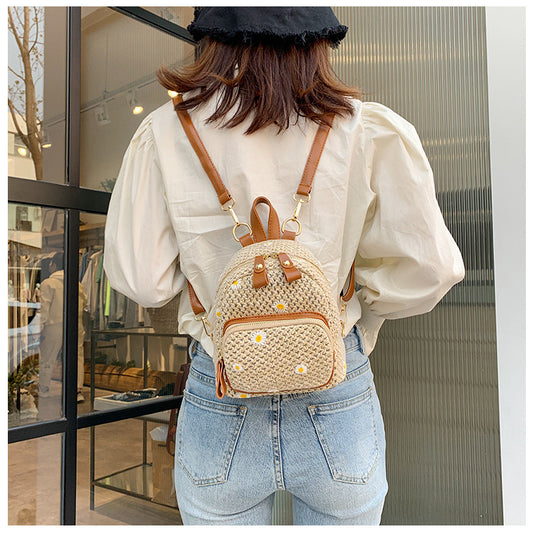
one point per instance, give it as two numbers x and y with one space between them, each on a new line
277 26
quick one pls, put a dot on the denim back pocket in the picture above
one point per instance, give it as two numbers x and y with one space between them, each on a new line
348 437
206 437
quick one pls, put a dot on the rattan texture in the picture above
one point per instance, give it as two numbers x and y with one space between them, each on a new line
237 298
278 358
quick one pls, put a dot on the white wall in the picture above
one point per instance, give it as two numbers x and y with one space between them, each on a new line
507 117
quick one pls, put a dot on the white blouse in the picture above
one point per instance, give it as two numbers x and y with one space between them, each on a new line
373 195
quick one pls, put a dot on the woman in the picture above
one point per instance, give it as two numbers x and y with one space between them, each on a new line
256 95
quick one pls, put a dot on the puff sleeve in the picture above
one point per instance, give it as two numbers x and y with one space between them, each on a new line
141 251
407 260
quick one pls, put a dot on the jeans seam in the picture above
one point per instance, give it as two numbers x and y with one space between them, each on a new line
333 407
213 406
236 411
200 376
276 443
359 371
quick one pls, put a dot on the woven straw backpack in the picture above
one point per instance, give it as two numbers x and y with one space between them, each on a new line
275 323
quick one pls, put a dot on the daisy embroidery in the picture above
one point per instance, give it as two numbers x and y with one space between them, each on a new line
258 337
280 305
300 369
243 396
236 283
237 367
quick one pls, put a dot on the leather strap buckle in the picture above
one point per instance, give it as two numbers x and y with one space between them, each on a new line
205 322
237 224
296 214
296 221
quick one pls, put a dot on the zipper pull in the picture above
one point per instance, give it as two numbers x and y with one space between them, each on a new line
221 387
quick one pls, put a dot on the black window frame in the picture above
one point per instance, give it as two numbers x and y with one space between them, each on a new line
73 199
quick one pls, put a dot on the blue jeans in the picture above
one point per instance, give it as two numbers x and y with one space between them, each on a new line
327 448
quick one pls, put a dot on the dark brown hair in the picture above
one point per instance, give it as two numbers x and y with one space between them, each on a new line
271 83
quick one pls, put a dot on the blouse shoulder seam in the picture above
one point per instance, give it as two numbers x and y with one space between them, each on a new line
394 119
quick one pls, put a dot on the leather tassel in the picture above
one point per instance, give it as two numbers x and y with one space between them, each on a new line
221 388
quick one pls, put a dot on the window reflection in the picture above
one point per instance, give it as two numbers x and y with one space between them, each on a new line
180 15
35 313
36 92
34 492
133 352
119 87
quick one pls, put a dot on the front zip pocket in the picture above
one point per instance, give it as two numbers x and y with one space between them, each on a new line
272 354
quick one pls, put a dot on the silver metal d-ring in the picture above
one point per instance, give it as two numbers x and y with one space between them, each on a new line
296 221
241 224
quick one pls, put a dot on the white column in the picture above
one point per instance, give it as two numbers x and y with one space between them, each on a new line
507 118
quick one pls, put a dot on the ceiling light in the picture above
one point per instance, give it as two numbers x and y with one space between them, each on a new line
22 151
134 105
102 115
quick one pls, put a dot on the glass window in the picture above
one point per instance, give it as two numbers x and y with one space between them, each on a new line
35 313
132 475
439 391
180 15
130 348
36 92
34 488
119 88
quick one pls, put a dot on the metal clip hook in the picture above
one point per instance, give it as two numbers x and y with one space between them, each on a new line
344 317
206 323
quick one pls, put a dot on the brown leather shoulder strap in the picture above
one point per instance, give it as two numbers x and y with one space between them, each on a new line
314 155
196 305
223 194
351 286
192 134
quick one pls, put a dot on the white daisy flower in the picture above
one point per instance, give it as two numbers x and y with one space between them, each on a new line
280 305
258 337
218 313
244 395
300 369
237 367
236 283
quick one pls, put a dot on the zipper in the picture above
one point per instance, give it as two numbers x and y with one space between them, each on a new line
260 319
222 381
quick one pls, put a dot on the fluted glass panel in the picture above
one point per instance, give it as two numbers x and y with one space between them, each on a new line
436 374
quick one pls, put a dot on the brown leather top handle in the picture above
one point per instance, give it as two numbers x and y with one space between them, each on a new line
258 229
